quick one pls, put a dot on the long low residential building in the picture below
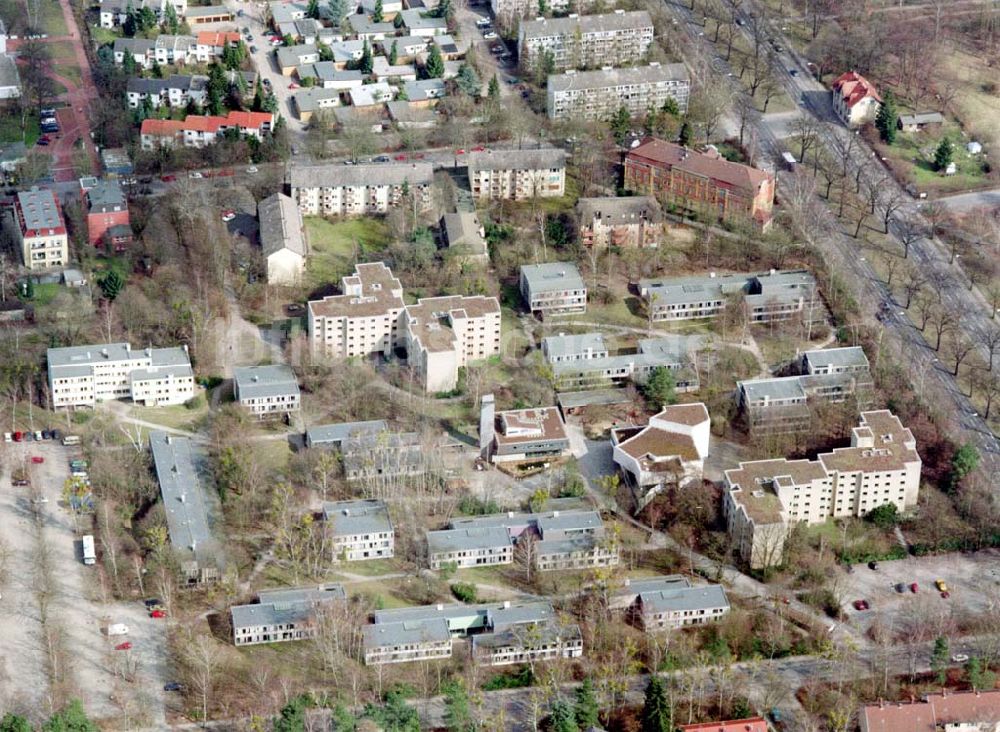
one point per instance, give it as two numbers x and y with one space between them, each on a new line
267 391
82 376
360 190
280 616
439 334
334 435
359 530
186 508
763 498
177 90
553 288
598 95
670 602
552 540
522 435
609 39
500 633
199 131
517 175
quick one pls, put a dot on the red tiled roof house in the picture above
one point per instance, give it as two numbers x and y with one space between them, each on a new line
702 182
855 99
751 724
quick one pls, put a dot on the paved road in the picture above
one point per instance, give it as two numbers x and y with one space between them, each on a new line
966 201
830 236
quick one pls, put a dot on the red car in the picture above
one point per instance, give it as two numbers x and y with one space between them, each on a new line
479 148
914 588
460 151
37 459
861 605
168 178
18 436
123 646
400 157
293 85
158 614
946 594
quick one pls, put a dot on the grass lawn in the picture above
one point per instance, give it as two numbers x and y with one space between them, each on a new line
978 108
12 131
334 245
53 21
382 591
373 567
179 417
103 36
912 154
44 294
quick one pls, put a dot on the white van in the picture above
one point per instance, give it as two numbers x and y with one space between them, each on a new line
71 440
117 629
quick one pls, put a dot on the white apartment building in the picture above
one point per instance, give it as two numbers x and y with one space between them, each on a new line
611 39
509 12
81 376
553 288
440 334
763 498
267 391
281 616
670 602
359 190
517 175
39 229
598 95
359 530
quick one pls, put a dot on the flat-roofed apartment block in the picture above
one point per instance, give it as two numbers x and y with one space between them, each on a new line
267 391
763 498
81 376
359 190
186 508
359 530
611 39
334 435
782 404
529 434
670 450
39 229
500 633
674 352
509 12
384 458
702 182
670 602
598 95
440 334
558 540
444 334
627 221
517 175
285 615
766 297
553 288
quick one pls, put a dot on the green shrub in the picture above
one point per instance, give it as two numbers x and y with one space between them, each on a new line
464 591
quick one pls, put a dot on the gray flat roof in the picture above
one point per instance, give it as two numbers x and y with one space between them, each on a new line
572 345
701 597
424 89
558 519
193 11
307 100
506 616
88 355
921 118
182 492
285 606
593 397
254 382
466 538
331 175
337 433
846 356
292 55
653 584
350 518
565 545
545 158
39 209
602 23
406 633
106 195
780 387
576 520
682 290
552 276
603 78
546 632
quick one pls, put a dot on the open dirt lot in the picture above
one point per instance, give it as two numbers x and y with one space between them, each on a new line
972 579
92 669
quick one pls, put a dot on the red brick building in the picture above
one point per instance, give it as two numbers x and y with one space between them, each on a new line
107 213
702 182
753 724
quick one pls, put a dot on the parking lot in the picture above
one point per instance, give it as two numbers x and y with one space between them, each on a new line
973 582
34 517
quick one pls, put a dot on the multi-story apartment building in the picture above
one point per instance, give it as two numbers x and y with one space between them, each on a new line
509 13
499 634
951 711
360 190
440 334
582 361
177 90
553 288
517 175
627 221
763 498
599 94
670 602
81 376
781 404
113 13
553 540
702 182
186 506
855 99
611 39
280 616
267 391
670 450
199 131
39 229
529 434
764 297
107 213
359 530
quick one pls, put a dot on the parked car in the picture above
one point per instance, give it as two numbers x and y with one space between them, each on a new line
945 595
168 178
37 459
382 159
873 566
914 588
152 602
127 645
479 148
228 215
43 141
483 22
490 35
158 614
460 151
252 169
940 584
861 605
253 49
195 175
173 686
400 157
959 658
900 588
8 437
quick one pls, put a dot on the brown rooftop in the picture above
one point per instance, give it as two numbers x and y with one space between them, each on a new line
707 165
934 710
686 414
893 447
658 444
429 318
529 425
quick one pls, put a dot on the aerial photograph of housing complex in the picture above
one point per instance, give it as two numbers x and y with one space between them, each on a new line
560 365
